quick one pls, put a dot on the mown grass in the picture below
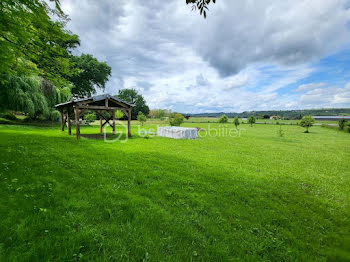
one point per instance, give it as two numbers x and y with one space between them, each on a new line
253 197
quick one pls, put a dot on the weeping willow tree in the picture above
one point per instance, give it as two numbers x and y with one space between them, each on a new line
21 93
54 95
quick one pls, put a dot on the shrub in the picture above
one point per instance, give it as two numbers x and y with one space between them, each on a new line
236 121
280 132
251 120
176 119
307 122
342 123
141 118
4 121
91 117
223 119
119 114
9 116
55 115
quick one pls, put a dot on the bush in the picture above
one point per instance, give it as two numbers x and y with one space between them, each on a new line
8 116
119 114
307 122
141 118
223 119
342 123
236 122
91 117
4 121
176 119
251 120
55 115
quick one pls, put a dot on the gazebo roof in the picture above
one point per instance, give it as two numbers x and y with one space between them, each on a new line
96 100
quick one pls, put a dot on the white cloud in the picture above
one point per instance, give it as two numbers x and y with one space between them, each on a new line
327 97
237 59
310 86
236 81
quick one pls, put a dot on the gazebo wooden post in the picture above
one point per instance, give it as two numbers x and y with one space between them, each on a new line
113 119
129 120
63 121
100 124
76 110
69 124
99 104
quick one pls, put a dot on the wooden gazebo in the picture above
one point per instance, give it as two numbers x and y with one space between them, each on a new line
98 104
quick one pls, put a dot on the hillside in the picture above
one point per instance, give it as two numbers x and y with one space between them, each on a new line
290 114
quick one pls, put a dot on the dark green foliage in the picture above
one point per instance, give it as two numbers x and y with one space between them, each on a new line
223 119
131 96
54 95
251 120
32 42
90 75
342 124
236 121
307 122
55 115
23 94
8 116
35 46
141 118
176 119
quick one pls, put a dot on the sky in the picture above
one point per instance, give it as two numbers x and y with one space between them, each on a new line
247 55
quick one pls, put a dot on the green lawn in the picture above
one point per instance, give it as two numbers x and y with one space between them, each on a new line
254 197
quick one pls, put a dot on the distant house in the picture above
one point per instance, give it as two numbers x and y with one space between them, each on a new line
331 118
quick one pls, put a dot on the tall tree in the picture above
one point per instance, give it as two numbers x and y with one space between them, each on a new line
223 119
54 95
307 122
141 118
27 32
21 93
131 96
251 120
90 75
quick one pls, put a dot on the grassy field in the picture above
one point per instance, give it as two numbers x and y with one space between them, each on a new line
257 196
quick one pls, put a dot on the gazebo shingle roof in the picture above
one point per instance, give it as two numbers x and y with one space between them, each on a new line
93 99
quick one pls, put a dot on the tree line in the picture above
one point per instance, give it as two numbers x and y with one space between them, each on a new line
283 114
